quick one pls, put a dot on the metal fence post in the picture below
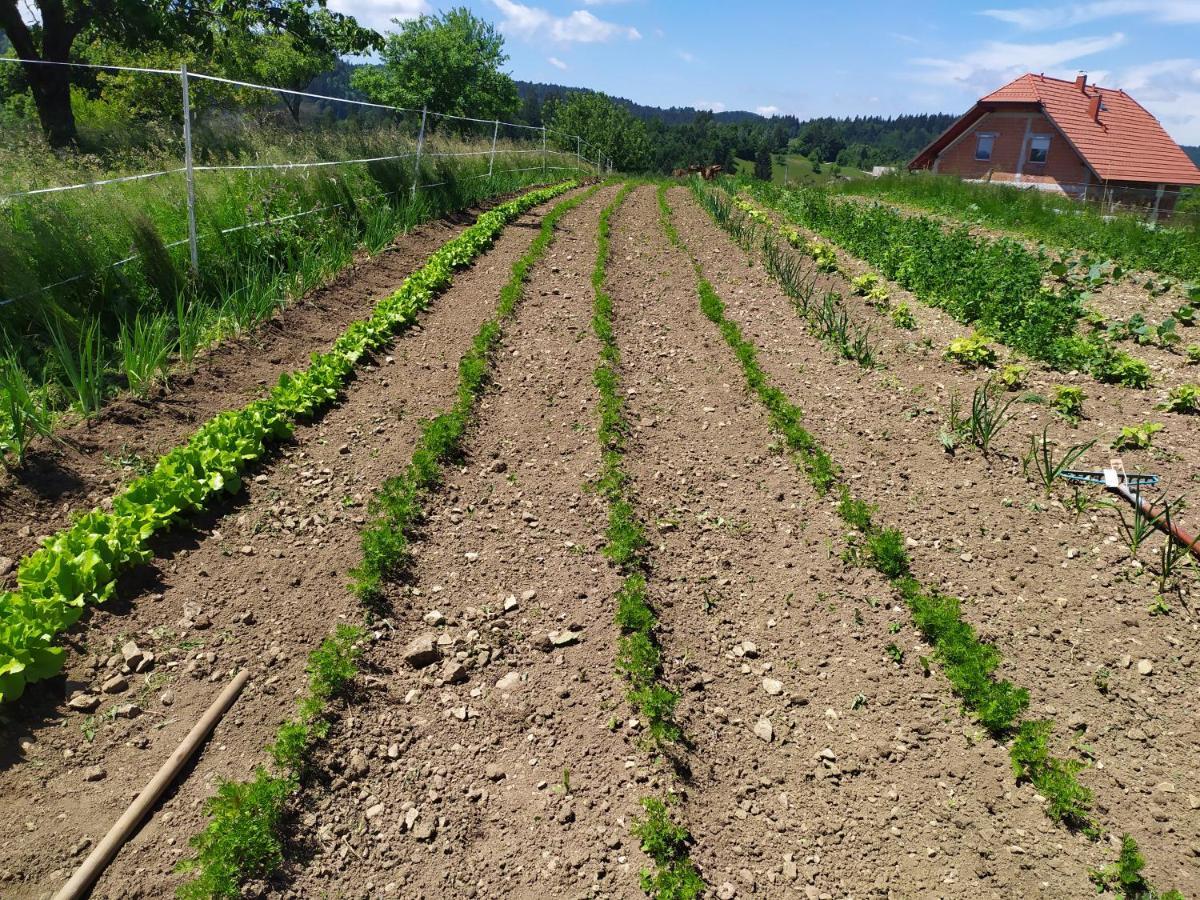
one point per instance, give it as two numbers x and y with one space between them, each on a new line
188 169
420 146
543 151
492 158
579 152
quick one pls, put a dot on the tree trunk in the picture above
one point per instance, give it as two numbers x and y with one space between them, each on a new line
51 87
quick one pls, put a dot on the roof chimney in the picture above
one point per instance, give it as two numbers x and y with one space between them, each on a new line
1094 108
1081 81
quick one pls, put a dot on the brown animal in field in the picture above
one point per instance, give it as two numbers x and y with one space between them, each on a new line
711 172
679 173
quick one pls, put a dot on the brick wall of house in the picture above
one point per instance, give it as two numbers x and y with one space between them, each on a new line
1063 167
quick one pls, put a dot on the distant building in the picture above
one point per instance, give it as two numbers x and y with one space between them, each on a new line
879 171
1085 141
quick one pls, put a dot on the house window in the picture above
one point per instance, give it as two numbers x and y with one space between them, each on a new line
1039 148
983 144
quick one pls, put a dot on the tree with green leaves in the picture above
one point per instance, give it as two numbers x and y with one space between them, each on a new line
449 62
605 125
762 163
49 35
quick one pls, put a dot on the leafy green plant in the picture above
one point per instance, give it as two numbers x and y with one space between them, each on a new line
1137 437
902 317
956 426
972 351
666 843
1067 800
885 547
1185 315
863 284
1013 376
1068 402
1124 877
1116 367
1183 398
1193 355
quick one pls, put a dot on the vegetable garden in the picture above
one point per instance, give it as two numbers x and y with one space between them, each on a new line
625 539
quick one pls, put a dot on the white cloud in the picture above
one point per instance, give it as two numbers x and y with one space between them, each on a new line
767 110
1040 18
996 62
713 105
904 38
579 27
556 62
1170 89
378 14
685 56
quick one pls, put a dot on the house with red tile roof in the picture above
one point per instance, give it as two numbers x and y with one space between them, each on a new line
1083 140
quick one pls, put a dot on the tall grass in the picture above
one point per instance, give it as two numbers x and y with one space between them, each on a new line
1059 221
109 327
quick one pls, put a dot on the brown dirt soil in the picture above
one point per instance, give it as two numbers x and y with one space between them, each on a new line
256 584
1058 596
97 455
447 780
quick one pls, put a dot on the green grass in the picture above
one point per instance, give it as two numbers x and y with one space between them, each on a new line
800 170
122 328
1056 220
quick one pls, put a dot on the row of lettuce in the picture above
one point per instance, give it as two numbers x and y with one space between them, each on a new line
79 565
968 663
994 285
244 839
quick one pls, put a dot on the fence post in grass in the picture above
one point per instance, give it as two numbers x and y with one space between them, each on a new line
190 174
420 146
492 158
579 152
543 151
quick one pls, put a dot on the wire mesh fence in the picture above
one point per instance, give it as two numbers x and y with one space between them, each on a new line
1176 207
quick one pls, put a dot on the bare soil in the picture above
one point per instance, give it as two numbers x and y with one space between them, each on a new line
256 584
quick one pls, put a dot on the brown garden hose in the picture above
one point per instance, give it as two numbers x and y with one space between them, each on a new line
100 857
1158 518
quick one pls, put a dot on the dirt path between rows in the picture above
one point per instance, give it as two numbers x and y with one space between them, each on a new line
505 768
1068 614
820 768
98 455
257 585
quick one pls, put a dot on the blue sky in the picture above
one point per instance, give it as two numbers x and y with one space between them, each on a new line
855 57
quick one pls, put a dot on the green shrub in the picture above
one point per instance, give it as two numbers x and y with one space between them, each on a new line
972 351
1184 398
1068 402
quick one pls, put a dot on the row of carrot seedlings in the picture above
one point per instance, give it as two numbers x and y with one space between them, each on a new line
639 655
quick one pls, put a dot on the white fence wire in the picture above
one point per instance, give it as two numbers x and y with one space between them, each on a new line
593 161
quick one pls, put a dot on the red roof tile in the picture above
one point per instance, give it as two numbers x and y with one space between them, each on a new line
1126 144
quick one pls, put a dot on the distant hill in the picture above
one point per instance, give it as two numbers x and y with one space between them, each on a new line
535 93
1194 153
